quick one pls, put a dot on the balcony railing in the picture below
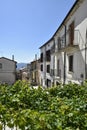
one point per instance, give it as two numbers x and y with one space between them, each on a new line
69 41
52 72
55 72
58 73
53 49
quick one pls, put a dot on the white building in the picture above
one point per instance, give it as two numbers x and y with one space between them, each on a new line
69 53
7 70
45 64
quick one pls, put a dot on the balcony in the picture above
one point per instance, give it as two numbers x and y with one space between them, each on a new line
55 72
75 41
58 73
52 72
72 41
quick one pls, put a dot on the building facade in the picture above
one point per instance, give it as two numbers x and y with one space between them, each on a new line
45 63
34 72
7 70
69 51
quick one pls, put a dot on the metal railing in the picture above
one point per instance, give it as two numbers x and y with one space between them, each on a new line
55 72
53 49
61 41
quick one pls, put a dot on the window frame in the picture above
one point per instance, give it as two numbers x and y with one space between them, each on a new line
48 55
41 67
48 68
41 57
70 60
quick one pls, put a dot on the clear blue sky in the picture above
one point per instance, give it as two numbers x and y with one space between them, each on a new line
25 25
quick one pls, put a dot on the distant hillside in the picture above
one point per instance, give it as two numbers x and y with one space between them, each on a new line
21 65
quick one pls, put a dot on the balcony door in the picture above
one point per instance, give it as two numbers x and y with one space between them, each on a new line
71 33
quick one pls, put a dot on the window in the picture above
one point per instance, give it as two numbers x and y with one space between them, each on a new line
48 68
58 67
41 67
41 57
71 63
0 65
48 55
48 83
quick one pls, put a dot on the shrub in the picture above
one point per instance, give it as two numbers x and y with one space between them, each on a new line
56 108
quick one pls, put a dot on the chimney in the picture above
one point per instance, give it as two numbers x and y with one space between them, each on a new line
35 56
13 57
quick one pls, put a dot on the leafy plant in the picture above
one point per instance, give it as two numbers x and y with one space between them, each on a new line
56 108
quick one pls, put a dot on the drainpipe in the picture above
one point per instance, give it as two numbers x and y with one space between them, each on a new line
45 68
65 59
85 57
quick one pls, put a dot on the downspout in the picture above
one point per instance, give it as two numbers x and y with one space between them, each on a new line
85 56
45 85
65 59
54 62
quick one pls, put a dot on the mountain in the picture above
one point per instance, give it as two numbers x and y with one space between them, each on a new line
21 65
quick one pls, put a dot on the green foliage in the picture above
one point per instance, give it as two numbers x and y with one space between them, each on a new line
56 108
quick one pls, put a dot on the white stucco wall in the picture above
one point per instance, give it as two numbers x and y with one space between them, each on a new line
80 19
79 16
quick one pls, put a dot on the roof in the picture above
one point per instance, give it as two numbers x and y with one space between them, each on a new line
7 59
76 2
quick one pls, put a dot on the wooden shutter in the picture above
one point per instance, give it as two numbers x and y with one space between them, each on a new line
71 33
